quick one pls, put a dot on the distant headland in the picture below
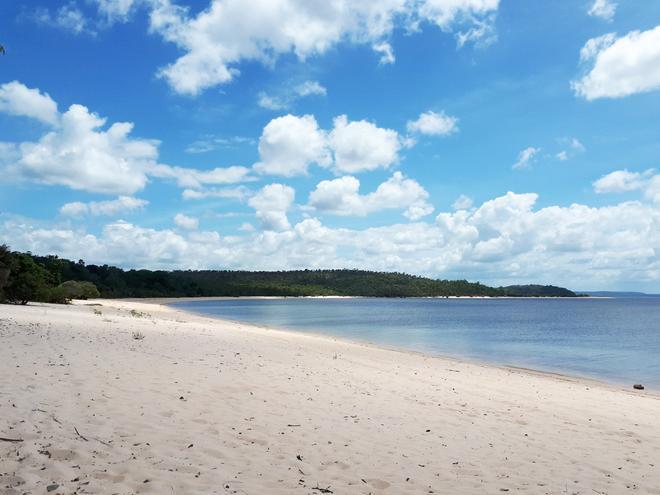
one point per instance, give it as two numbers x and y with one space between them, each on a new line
52 273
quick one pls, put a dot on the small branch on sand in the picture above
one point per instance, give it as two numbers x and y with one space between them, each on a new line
101 441
322 490
78 433
15 440
291 426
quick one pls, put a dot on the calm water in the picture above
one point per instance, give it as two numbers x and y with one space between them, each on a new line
617 340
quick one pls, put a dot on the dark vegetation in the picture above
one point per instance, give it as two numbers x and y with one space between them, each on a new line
26 277
537 291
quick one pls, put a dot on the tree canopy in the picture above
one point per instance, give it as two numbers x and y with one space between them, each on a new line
25 277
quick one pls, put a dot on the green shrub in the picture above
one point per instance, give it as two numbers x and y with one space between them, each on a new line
58 295
73 289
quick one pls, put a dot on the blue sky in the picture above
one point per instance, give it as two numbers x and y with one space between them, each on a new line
500 141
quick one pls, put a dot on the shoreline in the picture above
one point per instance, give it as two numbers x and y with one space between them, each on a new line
556 373
113 396
171 300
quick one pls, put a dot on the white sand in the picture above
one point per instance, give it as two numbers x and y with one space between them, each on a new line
205 406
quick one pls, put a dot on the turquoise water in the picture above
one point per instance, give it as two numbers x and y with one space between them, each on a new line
617 340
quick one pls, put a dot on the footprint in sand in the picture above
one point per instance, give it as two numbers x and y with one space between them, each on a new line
379 484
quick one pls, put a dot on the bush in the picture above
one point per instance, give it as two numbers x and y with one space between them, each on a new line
58 295
73 289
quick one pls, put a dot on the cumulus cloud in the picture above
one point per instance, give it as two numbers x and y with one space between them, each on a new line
433 124
605 9
290 144
617 67
17 99
526 157
123 204
82 152
504 240
185 222
342 197
271 204
360 146
230 31
621 181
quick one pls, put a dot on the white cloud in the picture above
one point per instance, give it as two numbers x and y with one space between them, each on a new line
576 144
482 33
116 10
526 157
194 178
434 124
18 99
622 181
271 102
605 9
310 88
238 193
618 67
123 204
271 204
81 152
68 18
386 53
463 202
504 240
290 144
573 145
285 99
217 39
342 197
185 222
211 143
652 189
360 146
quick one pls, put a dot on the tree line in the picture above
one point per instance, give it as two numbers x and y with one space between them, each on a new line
26 277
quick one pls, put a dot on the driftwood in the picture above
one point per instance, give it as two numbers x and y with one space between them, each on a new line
15 440
322 490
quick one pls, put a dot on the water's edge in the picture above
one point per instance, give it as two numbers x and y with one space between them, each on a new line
180 304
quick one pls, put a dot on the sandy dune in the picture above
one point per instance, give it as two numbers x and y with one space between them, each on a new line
204 406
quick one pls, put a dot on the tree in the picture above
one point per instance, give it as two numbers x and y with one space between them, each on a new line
5 268
28 281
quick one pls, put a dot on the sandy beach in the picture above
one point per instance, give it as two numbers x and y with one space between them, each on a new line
136 397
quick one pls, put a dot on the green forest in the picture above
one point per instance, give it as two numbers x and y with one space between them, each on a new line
25 277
